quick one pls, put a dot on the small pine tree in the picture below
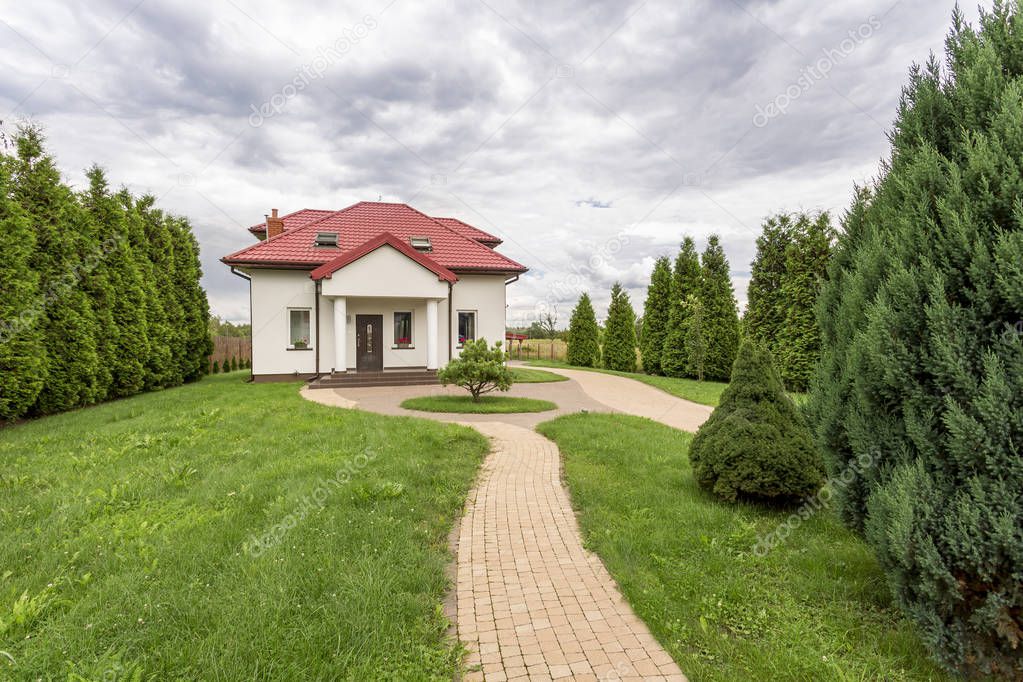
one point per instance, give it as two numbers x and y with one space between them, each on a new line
620 333
720 312
656 310
478 369
685 281
216 367
755 445
583 341
234 364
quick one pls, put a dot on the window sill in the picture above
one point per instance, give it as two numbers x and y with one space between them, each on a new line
403 347
298 349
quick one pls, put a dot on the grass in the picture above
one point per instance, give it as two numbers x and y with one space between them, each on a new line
488 404
814 607
703 392
130 539
524 375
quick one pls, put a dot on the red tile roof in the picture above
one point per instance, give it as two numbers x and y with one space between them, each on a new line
294 220
362 222
467 230
330 267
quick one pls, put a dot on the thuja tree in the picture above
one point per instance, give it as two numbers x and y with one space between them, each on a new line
22 358
720 312
765 307
620 332
919 397
655 316
583 335
797 340
685 280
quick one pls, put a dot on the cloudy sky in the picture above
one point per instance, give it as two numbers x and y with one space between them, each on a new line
591 136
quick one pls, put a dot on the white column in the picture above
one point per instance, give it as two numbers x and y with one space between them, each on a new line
340 334
431 334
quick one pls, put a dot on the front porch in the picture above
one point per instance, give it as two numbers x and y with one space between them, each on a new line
387 377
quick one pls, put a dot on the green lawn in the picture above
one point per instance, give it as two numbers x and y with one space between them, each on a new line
703 392
488 404
228 531
524 375
815 607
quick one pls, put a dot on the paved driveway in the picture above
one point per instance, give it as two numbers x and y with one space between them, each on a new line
531 601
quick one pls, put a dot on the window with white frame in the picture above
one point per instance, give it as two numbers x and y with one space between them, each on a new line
466 326
298 328
403 330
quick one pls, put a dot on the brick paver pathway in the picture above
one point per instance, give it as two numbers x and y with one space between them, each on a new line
532 602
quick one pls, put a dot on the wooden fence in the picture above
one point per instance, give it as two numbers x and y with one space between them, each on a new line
227 347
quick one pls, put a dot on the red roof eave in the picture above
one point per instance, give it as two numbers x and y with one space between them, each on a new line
388 239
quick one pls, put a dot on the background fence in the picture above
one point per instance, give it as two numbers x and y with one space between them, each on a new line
537 349
227 347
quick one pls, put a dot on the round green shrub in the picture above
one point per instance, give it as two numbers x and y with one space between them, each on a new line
756 445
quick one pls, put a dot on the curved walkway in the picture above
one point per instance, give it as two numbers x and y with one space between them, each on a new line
626 395
532 602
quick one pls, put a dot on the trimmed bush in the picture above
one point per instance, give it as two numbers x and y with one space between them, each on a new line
478 369
756 445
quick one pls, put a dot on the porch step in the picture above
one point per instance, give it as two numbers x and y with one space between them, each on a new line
420 377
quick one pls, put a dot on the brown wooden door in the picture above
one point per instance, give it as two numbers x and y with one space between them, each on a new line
369 343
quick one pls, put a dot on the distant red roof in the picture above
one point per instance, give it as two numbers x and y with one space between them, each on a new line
451 245
330 267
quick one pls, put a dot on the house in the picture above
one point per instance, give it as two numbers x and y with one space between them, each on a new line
372 288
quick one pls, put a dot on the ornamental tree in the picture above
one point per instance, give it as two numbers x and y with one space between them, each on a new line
685 281
918 400
655 316
478 369
620 332
583 335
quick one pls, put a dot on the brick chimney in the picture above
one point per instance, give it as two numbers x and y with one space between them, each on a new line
274 225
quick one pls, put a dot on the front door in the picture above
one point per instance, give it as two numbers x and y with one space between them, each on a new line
369 343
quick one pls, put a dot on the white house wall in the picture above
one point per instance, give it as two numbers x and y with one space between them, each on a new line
486 295
274 291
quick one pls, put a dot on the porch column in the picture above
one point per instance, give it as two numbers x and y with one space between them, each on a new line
340 334
431 334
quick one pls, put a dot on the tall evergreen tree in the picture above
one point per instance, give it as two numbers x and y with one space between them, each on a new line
131 343
655 316
765 307
22 353
197 343
167 334
685 282
583 335
918 403
68 325
620 332
720 312
696 338
797 342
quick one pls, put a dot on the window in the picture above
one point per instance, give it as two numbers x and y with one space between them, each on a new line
326 239
421 243
298 328
466 326
403 330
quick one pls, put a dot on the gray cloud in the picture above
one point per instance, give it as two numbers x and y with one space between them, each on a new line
519 117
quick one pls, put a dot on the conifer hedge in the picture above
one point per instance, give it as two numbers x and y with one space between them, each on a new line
583 335
619 351
101 295
919 396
